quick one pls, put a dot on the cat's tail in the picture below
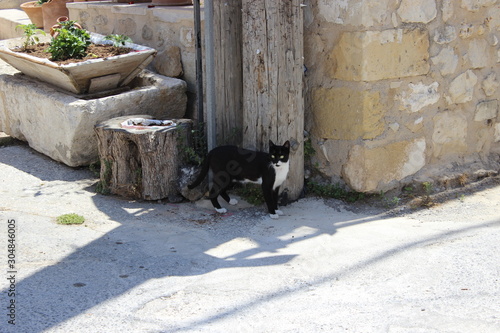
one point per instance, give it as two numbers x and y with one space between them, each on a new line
203 173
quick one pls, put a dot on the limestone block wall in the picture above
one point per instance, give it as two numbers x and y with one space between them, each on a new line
401 90
169 30
7 4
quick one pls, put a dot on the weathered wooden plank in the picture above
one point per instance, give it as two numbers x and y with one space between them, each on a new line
255 84
228 71
273 105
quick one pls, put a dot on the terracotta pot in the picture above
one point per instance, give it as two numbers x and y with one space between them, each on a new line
52 10
60 19
172 2
34 12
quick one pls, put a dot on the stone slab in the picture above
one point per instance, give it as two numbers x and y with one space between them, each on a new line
61 126
373 169
9 20
344 113
77 77
379 55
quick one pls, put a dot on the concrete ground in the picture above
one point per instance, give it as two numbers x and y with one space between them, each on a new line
157 267
327 266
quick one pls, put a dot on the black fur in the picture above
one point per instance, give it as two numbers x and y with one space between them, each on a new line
230 163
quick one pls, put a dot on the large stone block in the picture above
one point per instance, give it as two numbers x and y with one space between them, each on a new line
365 13
445 34
61 126
478 54
169 62
447 9
486 110
378 55
497 132
421 96
475 5
494 18
462 88
422 11
490 84
347 114
374 169
450 133
446 61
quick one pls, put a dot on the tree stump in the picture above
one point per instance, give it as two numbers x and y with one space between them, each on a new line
141 163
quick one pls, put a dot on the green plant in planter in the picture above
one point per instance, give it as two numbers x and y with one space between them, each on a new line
41 2
118 40
69 42
29 32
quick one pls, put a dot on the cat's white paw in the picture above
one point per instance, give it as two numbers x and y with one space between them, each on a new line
221 210
233 202
279 212
274 216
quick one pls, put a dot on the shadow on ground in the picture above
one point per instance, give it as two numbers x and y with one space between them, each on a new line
161 241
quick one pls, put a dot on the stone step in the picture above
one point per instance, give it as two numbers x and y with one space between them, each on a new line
9 20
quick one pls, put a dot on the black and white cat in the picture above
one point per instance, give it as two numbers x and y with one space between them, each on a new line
230 163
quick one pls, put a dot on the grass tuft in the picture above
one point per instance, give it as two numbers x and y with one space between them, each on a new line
68 219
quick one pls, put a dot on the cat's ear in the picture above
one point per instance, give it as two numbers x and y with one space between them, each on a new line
287 144
271 144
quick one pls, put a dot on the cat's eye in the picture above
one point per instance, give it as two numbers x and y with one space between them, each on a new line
282 156
272 156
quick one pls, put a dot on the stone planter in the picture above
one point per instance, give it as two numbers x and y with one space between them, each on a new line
34 12
89 76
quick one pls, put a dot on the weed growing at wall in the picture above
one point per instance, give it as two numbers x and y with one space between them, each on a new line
335 191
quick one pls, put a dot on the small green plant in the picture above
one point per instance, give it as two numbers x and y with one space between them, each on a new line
394 202
138 176
118 40
195 152
68 219
333 191
70 42
428 187
29 32
251 193
308 148
102 186
41 2
408 189
95 168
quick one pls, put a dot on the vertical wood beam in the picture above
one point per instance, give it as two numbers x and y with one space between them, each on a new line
210 75
228 71
273 103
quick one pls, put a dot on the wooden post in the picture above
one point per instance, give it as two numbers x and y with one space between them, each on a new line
273 104
228 71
